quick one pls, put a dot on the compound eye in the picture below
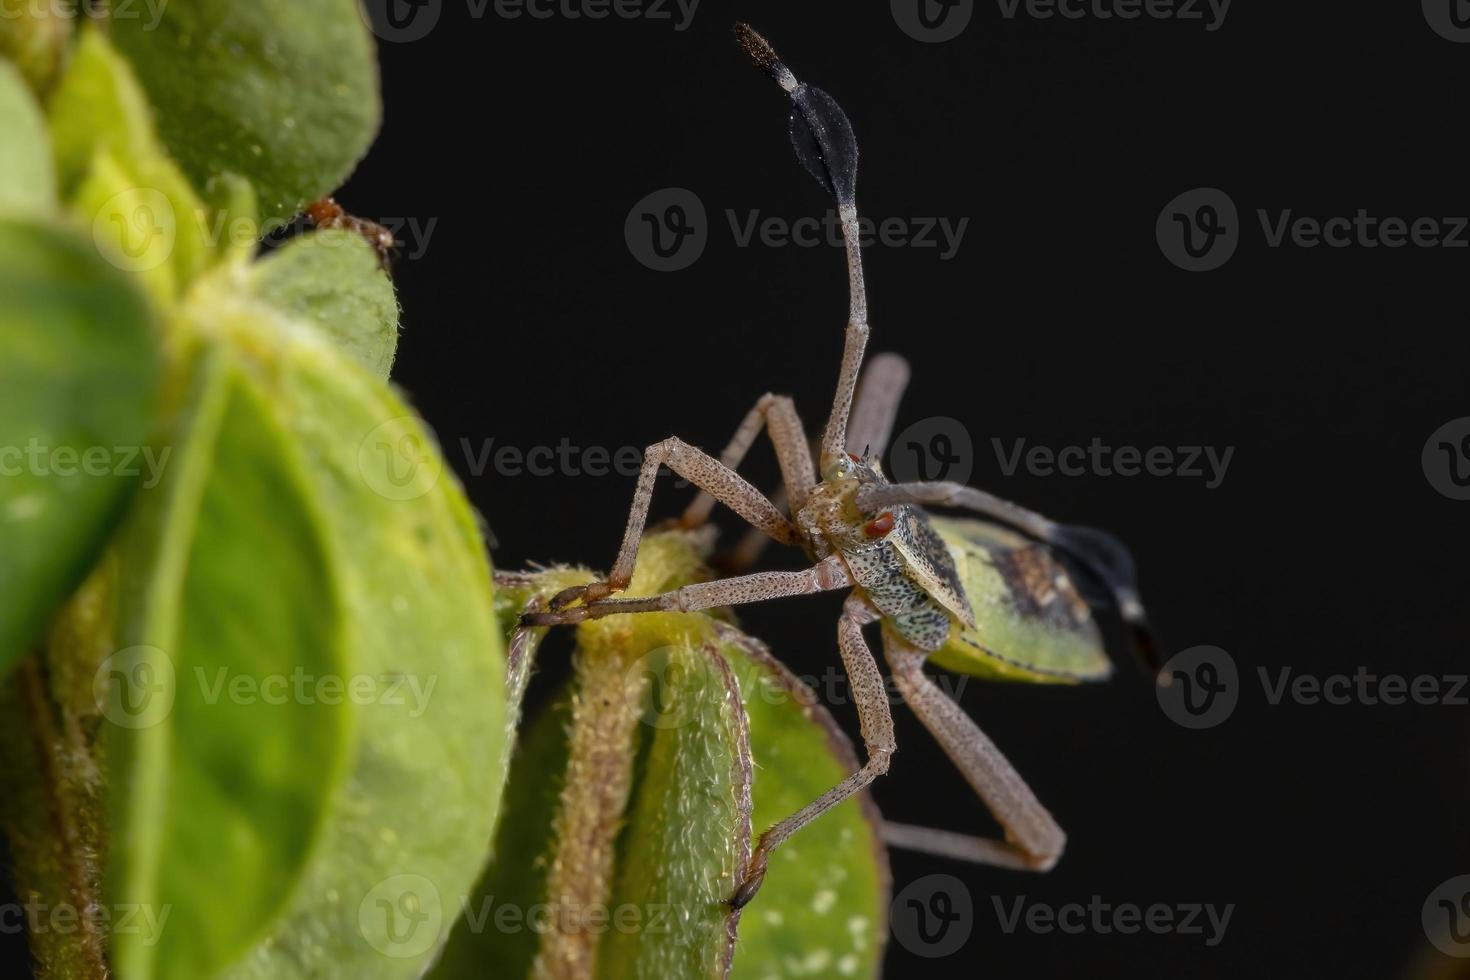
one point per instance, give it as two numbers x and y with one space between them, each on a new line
880 525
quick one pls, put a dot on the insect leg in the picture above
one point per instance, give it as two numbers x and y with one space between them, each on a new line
705 472
875 406
873 412
777 415
1033 841
828 574
870 696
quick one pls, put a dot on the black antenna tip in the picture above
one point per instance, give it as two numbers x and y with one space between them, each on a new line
758 48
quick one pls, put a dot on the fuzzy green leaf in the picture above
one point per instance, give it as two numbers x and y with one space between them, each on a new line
656 734
823 908
27 181
284 92
364 805
78 367
335 280
142 213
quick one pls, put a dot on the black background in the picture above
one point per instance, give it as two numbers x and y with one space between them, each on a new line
527 320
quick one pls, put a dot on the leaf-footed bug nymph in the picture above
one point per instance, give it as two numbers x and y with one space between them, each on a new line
988 597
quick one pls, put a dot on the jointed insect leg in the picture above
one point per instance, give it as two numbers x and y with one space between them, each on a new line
1033 841
777 415
875 406
828 574
705 472
874 409
876 724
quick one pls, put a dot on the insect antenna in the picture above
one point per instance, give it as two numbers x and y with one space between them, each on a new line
825 144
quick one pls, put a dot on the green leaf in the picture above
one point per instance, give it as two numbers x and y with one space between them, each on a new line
335 280
78 368
668 719
688 834
142 213
359 573
823 908
34 36
27 182
209 779
284 92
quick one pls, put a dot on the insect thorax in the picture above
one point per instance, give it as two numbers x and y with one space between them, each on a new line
900 564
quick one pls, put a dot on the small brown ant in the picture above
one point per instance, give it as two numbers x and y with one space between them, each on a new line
327 213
